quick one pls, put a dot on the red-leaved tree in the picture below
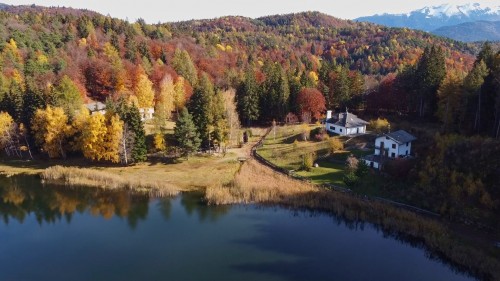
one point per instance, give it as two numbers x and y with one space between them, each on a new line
311 101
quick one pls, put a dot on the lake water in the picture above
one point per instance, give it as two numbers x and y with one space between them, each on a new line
49 233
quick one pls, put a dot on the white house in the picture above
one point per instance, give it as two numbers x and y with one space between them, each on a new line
345 124
146 113
96 107
392 145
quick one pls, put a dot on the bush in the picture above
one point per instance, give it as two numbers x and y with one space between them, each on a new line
334 144
379 126
318 134
308 161
362 169
350 179
352 163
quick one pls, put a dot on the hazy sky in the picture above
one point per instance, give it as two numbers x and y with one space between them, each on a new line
154 11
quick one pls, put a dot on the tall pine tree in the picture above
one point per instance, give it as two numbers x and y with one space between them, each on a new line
247 96
185 133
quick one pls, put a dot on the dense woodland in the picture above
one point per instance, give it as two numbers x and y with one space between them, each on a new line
209 74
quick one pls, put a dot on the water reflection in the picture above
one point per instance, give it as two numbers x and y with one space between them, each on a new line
21 196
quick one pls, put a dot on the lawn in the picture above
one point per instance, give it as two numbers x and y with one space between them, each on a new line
327 172
283 150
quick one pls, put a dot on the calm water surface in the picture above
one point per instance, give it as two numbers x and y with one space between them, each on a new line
48 233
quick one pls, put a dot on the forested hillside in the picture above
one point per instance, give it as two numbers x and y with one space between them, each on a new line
43 49
53 60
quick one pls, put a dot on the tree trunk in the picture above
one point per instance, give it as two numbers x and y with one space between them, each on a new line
28 146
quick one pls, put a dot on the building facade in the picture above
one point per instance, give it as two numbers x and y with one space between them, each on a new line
390 146
345 124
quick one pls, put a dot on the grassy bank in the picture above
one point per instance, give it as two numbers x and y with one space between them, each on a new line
71 176
197 172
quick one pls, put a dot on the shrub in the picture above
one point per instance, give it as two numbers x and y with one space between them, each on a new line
318 134
381 125
308 161
334 144
159 142
352 163
362 169
350 179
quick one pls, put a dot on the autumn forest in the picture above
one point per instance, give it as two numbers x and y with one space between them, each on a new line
210 76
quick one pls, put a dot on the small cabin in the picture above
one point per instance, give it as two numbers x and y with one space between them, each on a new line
345 124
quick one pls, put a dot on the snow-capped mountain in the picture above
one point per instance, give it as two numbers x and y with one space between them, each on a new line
431 18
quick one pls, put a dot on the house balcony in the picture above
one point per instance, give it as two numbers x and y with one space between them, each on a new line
380 148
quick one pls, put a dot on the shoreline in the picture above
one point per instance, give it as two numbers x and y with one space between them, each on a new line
238 183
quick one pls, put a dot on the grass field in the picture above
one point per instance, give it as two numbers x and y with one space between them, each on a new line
198 172
284 149
327 172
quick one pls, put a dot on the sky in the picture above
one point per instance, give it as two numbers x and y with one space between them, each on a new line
154 11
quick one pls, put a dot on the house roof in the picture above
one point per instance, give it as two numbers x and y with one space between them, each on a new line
347 120
401 136
95 106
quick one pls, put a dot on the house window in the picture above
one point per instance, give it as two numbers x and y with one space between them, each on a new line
393 155
393 145
341 130
407 152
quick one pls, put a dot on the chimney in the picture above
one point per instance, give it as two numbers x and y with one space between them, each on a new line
328 114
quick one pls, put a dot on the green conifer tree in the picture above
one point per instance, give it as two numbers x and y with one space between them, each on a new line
186 134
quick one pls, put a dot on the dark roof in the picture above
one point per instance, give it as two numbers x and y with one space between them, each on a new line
347 120
401 136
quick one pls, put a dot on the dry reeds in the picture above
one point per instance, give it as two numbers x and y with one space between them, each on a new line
255 183
71 176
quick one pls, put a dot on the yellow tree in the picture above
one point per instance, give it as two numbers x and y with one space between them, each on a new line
159 142
180 94
6 126
95 131
78 126
113 139
119 75
144 92
165 101
450 95
51 129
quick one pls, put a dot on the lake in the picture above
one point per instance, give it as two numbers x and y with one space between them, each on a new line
52 233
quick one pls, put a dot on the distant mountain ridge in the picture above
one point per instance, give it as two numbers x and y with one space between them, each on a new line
472 31
432 18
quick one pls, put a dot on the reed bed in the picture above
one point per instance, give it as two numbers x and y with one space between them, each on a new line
72 176
255 183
